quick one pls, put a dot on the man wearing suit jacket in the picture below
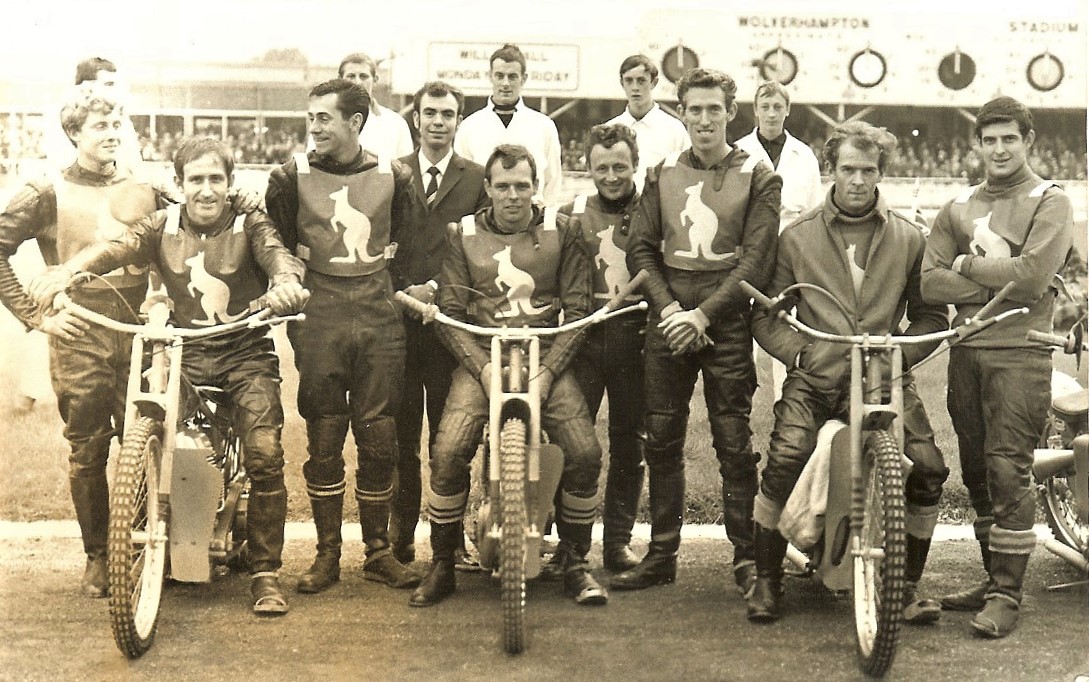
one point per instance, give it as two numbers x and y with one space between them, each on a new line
445 187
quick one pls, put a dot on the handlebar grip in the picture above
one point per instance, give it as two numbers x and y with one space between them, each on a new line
755 294
985 311
1045 338
627 290
409 302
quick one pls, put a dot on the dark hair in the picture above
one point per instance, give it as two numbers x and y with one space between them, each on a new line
357 58
197 146
1003 110
74 112
771 89
510 155
707 78
438 89
508 53
351 97
861 136
637 60
609 135
87 70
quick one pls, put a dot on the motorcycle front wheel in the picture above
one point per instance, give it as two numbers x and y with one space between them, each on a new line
137 545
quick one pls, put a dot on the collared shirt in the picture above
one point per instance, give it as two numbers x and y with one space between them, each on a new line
482 131
658 135
774 147
426 165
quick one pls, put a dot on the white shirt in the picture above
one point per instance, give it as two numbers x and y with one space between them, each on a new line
799 170
384 134
482 131
658 135
425 165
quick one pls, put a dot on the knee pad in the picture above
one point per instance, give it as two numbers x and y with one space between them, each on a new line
376 439
325 436
263 455
665 438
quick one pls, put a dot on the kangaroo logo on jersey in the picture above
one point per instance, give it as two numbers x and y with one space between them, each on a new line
357 229
985 242
612 257
702 226
215 295
519 285
857 273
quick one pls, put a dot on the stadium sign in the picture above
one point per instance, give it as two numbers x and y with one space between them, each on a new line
550 68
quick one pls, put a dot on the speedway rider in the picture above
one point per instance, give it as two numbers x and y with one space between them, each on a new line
528 265
868 257
213 263
708 219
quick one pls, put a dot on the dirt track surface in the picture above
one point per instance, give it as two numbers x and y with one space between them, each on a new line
692 630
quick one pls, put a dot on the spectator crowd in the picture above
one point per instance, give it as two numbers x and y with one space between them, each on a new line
1053 157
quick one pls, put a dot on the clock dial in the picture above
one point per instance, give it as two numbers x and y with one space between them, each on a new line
1045 72
867 68
779 65
678 61
957 70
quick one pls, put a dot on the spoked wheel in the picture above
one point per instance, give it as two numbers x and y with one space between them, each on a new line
138 540
512 570
878 556
1061 507
232 468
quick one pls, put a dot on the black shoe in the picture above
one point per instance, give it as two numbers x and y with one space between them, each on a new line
96 580
764 603
383 568
439 584
322 574
619 558
581 586
654 569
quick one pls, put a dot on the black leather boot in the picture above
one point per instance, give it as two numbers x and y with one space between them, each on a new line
918 611
441 580
325 571
770 549
1002 603
737 518
622 490
266 515
578 583
659 566
972 598
91 498
381 566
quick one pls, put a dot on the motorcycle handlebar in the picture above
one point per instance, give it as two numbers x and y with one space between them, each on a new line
626 290
1045 338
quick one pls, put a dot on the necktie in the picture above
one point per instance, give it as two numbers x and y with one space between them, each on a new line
433 185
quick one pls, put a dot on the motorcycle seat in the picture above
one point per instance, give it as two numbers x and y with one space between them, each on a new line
1072 404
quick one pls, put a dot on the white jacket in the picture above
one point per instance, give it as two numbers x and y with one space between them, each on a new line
800 172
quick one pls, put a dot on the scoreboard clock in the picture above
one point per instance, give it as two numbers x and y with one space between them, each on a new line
1045 72
956 70
867 68
678 61
779 65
